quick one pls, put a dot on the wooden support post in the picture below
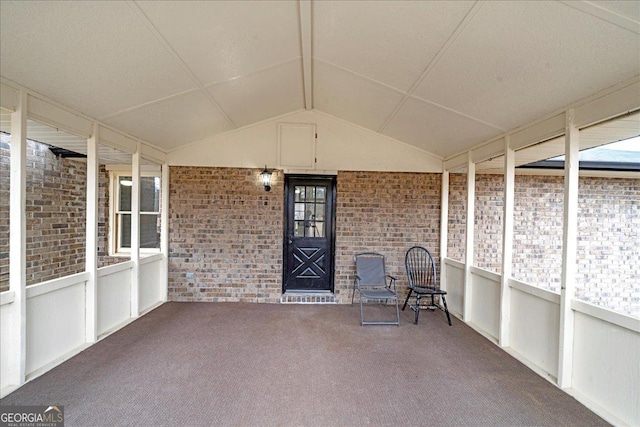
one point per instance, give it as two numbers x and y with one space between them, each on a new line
91 248
444 227
507 242
16 353
468 257
569 247
164 232
135 233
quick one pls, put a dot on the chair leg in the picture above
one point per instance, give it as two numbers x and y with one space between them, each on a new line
397 311
446 310
417 308
405 301
361 312
353 294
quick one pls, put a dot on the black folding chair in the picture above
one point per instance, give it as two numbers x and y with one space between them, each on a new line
371 283
421 272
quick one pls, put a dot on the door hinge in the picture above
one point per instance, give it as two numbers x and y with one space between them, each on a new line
316 136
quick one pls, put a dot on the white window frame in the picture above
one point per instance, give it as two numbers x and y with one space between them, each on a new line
115 215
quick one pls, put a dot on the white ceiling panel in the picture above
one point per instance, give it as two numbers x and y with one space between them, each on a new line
436 130
93 56
352 97
225 39
172 72
389 41
268 93
174 121
517 61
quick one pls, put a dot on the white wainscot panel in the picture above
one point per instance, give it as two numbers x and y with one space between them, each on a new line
150 278
454 286
606 367
114 297
485 301
535 326
56 324
5 337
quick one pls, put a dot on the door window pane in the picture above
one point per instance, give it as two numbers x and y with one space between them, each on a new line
310 211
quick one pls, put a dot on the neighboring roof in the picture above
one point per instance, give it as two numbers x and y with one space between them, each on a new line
441 76
616 156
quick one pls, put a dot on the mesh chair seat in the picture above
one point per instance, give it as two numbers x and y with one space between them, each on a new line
373 283
377 293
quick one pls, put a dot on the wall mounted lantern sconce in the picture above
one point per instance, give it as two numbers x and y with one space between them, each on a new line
265 176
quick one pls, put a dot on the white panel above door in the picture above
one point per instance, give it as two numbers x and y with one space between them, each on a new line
296 146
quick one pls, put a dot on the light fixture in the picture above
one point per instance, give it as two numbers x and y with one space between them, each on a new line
266 179
126 182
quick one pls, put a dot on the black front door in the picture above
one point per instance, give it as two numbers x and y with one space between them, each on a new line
308 236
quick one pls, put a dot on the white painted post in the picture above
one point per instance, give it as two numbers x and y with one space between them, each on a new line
91 255
164 232
569 247
468 257
135 233
444 227
507 241
17 351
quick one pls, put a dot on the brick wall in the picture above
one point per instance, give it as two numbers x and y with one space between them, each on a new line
386 213
228 232
608 249
55 214
488 206
457 220
609 243
537 234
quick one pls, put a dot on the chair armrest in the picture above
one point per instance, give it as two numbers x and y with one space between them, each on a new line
392 281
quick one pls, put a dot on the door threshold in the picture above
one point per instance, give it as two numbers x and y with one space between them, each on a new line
308 297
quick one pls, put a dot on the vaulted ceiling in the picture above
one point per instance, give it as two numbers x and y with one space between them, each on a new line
442 76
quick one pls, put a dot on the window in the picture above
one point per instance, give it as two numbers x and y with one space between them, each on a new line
310 206
149 214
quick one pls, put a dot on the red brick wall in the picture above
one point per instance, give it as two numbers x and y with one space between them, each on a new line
387 213
227 231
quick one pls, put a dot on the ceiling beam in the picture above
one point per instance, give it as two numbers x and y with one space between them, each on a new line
304 8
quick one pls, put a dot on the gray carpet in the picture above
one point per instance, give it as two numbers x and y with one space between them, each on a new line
201 364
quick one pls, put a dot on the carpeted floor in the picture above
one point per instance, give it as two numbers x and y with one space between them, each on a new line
206 364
